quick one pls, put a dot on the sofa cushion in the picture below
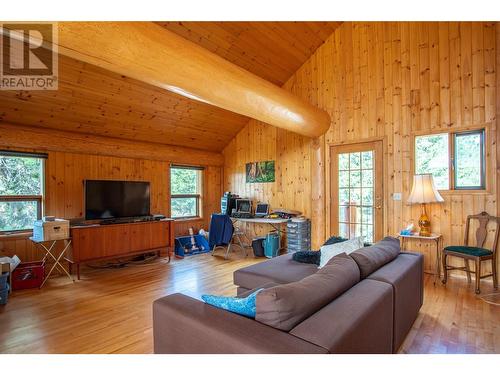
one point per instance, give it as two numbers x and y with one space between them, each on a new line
285 306
358 321
281 270
246 293
184 325
405 275
370 259
469 250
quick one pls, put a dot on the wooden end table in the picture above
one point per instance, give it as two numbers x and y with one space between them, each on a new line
437 238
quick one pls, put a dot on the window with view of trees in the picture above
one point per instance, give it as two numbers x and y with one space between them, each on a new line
185 191
432 156
21 191
456 160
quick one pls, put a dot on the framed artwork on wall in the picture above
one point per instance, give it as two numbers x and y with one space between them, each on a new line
260 171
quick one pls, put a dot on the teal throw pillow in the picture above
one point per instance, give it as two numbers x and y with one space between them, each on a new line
242 306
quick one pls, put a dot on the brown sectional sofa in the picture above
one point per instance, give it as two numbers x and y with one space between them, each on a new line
372 316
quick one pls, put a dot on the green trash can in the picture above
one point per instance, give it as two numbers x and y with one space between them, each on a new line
272 245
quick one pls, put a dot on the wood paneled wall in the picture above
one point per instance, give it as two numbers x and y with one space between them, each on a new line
64 175
260 142
385 81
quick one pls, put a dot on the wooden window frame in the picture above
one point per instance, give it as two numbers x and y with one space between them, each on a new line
26 198
197 196
483 130
453 163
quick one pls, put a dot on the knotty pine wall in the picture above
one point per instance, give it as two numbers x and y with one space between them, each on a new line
387 81
64 175
260 142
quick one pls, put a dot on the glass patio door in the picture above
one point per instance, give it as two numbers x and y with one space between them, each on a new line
356 204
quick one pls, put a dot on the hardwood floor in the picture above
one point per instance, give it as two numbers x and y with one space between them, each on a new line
454 319
109 311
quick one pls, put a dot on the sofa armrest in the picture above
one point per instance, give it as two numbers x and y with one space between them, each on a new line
182 325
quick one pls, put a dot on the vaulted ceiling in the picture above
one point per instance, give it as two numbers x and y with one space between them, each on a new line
95 101
271 50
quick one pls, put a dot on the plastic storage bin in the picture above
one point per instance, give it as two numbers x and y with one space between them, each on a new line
182 242
28 275
298 234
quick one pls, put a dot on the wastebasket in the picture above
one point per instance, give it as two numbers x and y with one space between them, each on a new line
271 245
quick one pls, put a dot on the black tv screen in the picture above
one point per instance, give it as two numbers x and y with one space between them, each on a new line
116 199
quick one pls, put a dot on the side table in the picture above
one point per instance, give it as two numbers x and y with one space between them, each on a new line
437 238
49 252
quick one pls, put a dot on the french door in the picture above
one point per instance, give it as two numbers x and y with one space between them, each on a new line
356 191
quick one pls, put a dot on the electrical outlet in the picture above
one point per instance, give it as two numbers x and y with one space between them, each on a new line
396 196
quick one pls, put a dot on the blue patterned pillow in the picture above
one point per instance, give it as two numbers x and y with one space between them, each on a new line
243 306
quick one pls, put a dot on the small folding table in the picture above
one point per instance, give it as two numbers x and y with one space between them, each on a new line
50 247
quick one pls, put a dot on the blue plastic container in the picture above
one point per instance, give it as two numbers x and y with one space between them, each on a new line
183 245
272 245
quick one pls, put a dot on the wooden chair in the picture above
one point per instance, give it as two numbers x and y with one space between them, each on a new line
478 253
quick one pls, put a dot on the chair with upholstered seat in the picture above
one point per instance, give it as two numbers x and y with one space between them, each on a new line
476 253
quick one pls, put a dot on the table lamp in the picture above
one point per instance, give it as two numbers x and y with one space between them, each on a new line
423 192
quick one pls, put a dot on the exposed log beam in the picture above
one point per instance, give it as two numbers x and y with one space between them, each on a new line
42 139
150 53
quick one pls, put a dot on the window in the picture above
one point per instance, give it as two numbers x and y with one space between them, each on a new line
456 160
432 156
21 190
185 191
468 161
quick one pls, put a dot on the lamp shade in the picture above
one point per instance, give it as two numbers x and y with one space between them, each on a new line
423 190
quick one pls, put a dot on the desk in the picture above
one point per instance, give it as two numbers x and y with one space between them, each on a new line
274 223
437 238
49 253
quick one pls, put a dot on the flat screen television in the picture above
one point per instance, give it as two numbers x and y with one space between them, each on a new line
105 199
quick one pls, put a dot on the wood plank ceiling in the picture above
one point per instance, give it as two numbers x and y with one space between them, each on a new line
271 50
95 101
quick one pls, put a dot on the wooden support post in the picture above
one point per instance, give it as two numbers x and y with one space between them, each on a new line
318 212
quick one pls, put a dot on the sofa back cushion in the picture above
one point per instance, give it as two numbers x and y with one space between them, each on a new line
369 259
285 306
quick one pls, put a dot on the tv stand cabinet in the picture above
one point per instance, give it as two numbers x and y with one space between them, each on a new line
95 243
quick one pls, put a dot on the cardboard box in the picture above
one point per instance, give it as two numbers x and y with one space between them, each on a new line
4 267
51 230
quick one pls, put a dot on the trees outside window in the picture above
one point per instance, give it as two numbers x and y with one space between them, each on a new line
21 191
456 160
185 191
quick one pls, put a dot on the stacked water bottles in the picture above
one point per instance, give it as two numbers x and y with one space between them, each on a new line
298 234
4 288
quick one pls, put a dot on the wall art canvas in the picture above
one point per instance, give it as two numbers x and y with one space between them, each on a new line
260 171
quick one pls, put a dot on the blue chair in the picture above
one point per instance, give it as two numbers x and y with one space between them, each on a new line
476 253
